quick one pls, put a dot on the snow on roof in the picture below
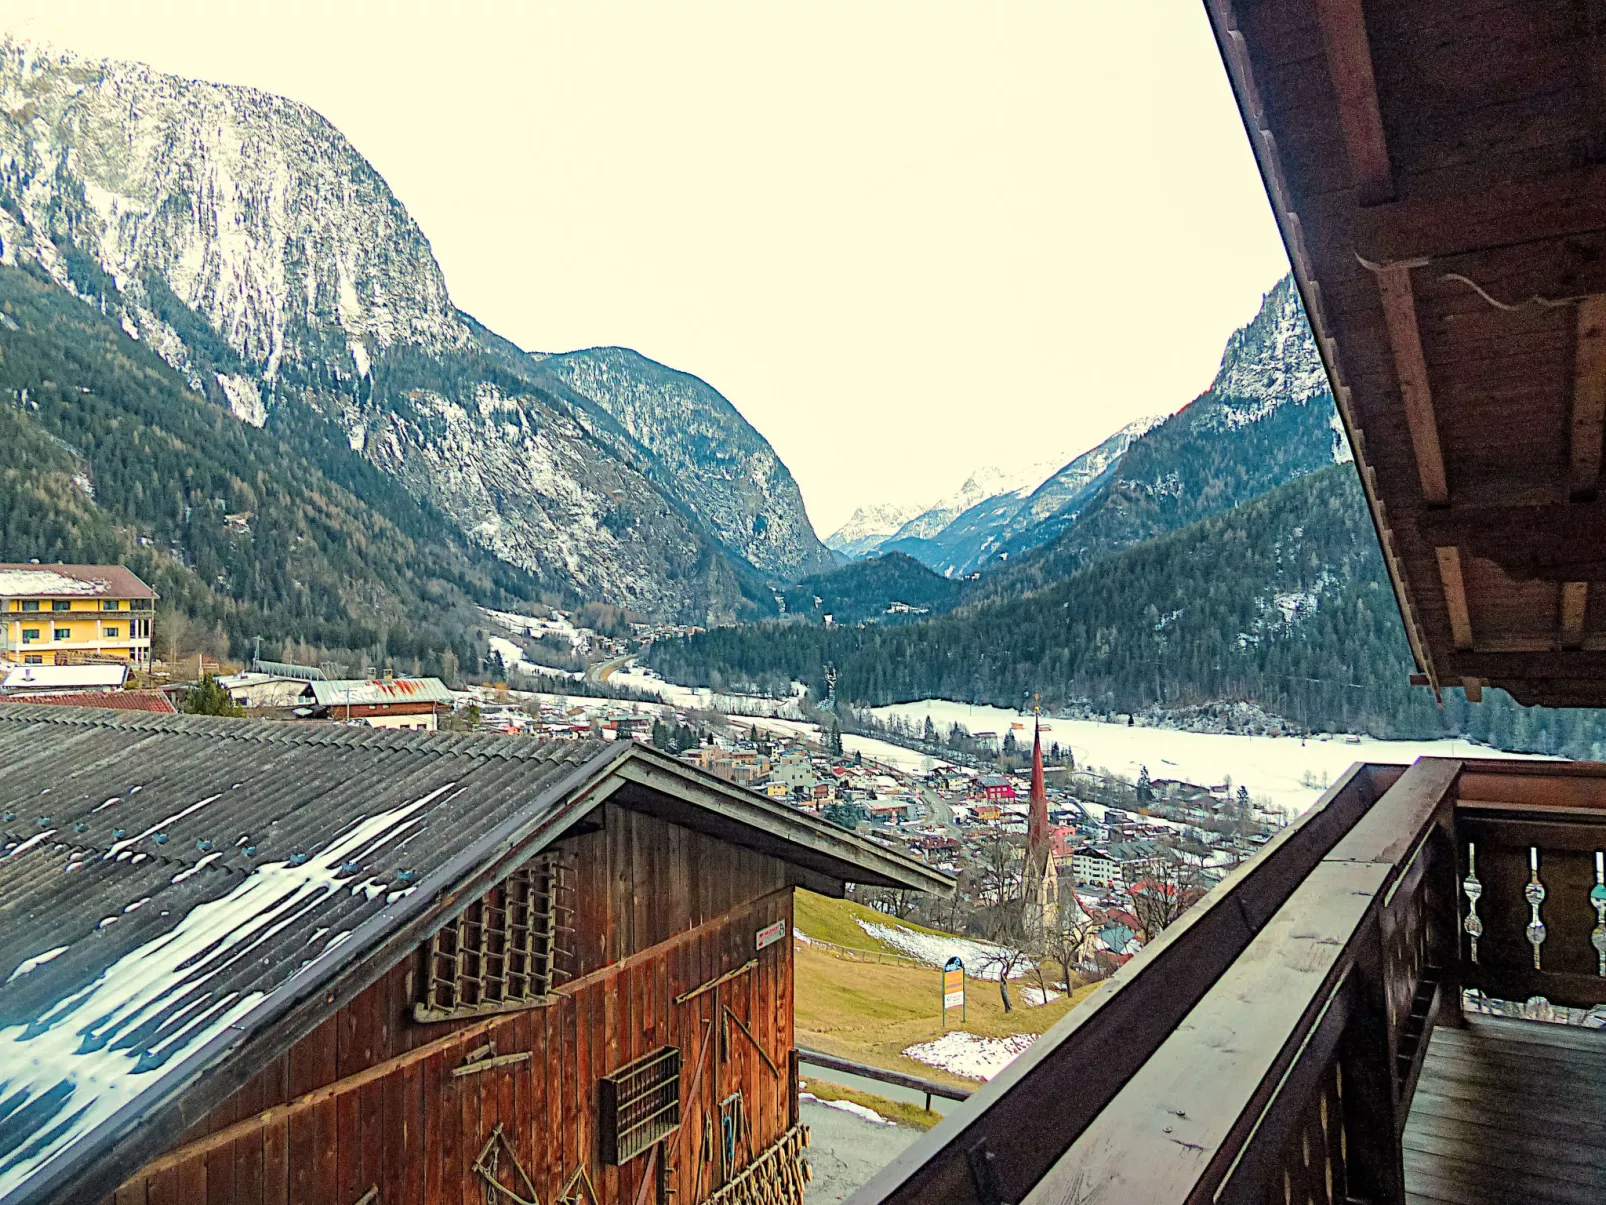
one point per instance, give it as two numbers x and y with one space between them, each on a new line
71 581
380 691
63 677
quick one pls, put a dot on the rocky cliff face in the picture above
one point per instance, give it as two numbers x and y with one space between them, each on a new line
728 473
244 240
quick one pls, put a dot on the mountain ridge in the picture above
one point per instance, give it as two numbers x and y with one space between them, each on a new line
243 238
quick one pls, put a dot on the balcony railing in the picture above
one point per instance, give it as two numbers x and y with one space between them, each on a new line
1267 1047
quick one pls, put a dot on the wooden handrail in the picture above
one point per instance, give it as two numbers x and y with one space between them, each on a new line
831 1062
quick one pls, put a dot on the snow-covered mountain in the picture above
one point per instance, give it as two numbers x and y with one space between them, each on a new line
1008 524
243 239
868 526
987 482
1267 418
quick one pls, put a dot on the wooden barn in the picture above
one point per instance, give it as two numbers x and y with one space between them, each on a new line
257 962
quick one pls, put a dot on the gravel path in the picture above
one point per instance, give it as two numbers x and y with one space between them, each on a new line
845 1151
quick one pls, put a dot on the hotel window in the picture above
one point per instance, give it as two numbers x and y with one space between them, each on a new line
109 604
63 633
111 632
33 659
30 604
29 635
61 604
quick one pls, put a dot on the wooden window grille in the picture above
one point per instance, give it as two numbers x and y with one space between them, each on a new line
501 954
639 1105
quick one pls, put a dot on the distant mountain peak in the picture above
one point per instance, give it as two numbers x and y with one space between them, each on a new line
868 525
1270 362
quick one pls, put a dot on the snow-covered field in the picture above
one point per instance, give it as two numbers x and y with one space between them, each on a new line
513 658
965 1054
1272 766
872 750
688 697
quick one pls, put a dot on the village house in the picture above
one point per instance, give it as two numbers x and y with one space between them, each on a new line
314 963
1115 867
411 703
995 788
74 614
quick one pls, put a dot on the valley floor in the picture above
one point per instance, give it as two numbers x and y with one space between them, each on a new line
1272 766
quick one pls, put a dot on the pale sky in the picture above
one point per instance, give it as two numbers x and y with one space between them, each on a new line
905 239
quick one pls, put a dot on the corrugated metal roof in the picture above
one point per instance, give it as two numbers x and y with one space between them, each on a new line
170 885
71 581
379 691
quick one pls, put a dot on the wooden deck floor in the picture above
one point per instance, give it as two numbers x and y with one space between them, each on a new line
1507 1112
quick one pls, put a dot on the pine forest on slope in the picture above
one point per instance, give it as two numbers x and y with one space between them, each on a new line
1282 601
282 532
240 237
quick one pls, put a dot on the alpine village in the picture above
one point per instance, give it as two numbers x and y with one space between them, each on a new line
433 772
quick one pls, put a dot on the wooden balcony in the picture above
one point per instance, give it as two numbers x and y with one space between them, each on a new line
1299 1035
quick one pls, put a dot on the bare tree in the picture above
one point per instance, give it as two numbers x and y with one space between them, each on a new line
999 869
1014 934
1167 890
1065 941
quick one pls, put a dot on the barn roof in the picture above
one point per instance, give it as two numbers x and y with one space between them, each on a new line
378 691
1438 169
171 886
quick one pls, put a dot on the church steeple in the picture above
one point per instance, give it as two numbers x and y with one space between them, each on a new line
1037 815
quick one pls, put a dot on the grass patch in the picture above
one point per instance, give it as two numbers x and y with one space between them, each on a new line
870 1012
902 1112
836 921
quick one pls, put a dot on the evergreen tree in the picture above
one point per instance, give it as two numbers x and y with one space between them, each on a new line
207 697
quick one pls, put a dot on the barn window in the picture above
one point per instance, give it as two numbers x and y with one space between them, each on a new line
639 1105
499 955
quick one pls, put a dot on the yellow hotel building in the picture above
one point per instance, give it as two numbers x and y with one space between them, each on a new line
71 614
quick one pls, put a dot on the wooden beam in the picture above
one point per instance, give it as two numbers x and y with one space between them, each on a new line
1589 395
1349 62
1473 688
1493 667
1545 208
1557 542
1411 370
1574 600
1455 596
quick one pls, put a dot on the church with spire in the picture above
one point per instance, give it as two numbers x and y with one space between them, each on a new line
1040 885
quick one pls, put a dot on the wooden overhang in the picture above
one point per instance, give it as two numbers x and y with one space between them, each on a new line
1438 170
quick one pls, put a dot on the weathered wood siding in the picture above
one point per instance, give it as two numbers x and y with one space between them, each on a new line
660 910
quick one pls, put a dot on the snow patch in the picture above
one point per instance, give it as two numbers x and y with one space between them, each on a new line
847 1106
245 399
934 949
38 960
970 1056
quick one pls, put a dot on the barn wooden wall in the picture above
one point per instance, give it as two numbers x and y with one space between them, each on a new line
660 910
